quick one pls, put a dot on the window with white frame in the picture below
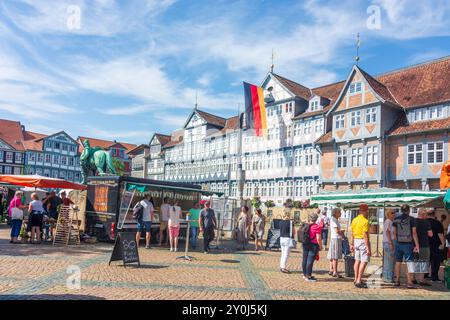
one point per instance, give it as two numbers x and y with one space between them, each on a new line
342 158
309 157
355 87
356 157
435 152
371 115
281 189
9 157
8 170
298 188
298 157
415 153
372 155
339 121
314 105
19 158
289 188
1 156
355 118
32 156
307 127
297 129
318 125
435 112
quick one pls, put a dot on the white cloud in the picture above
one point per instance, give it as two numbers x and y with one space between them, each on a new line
98 17
128 135
412 19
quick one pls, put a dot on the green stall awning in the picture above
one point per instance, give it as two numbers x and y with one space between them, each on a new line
375 197
142 188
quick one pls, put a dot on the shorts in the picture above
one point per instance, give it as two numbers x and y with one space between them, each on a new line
361 251
36 220
163 225
174 231
404 250
141 225
424 254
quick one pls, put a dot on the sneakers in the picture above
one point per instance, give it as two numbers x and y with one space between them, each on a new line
360 285
206 252
171 249
312 279
147 247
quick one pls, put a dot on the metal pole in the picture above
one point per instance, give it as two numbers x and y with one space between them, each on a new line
186 249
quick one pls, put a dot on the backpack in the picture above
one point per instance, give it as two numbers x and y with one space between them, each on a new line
404 233
447 237
138 211
303 234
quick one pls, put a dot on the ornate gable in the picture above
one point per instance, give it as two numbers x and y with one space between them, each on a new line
4 145
274 90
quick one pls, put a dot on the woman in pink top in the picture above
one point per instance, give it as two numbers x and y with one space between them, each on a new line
16 222
311 248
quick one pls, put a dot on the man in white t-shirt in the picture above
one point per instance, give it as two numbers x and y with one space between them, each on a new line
146 222
164 220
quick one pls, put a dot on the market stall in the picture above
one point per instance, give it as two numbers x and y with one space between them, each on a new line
381 198
36 181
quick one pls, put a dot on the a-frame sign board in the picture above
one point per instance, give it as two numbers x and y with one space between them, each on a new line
125 249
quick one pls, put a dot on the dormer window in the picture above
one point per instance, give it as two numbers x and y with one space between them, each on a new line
355 87
314 105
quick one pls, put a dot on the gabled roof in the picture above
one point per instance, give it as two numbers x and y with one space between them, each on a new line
104 144
138 148
296 88
420 85
162 138
380 89
424 84
212 119
402 127
33 141
331 92
11 133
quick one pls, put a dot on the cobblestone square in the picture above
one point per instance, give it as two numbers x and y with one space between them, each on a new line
41 272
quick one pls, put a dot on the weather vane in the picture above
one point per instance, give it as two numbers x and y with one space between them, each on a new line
358 44
273 58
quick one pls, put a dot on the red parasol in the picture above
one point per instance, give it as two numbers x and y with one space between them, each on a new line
36 181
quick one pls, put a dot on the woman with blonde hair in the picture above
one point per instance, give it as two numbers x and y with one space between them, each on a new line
335 249
287 232
15 212
388 247
36 210
243 226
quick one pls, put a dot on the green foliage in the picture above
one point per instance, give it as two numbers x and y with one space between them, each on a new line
118 166
289 203
256 203
269 204
297 204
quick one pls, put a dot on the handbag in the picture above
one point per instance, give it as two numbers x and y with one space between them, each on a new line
292 242
16 213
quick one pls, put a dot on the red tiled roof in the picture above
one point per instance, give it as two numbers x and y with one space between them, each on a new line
331 92
401 126
212 119
163 139
326 138
33 141
380 88
104 144
11 133
173 143
420 85
296 88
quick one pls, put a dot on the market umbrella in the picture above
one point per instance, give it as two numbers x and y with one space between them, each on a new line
31 189
37 181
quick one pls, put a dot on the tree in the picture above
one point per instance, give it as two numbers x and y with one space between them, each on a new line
269 204
118 166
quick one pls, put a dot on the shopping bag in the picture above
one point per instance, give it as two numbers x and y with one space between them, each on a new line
16 214
418 265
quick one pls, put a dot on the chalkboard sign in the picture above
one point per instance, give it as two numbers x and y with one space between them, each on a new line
125 249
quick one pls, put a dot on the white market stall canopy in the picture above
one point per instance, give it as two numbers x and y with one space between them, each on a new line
382 197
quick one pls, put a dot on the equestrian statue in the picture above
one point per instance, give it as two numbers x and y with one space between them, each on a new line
95 160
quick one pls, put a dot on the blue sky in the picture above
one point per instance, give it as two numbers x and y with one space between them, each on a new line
134 66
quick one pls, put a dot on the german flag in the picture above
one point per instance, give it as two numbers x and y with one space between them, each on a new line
255 109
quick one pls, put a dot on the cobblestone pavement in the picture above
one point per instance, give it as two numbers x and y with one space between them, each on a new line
41 272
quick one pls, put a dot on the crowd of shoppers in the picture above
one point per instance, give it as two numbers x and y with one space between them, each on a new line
41 219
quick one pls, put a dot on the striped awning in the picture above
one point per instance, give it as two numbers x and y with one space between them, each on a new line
375 197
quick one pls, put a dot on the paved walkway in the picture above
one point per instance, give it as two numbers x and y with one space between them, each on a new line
43 271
